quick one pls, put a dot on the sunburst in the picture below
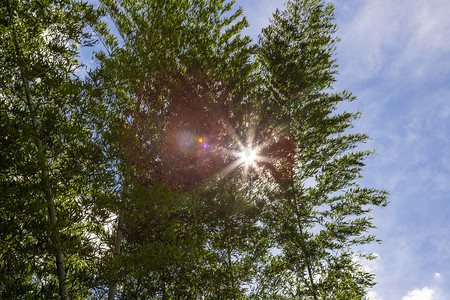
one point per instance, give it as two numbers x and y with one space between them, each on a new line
267 154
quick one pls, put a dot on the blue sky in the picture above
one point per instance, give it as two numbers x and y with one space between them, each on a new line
395 57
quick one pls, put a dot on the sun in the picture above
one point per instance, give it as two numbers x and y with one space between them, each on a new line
248 156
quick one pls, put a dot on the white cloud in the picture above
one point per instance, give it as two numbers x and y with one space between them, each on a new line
371 295
437 275
422 294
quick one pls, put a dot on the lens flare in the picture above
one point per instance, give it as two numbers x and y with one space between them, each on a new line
185 140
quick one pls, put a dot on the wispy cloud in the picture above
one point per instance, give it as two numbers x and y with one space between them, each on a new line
412 137
391 39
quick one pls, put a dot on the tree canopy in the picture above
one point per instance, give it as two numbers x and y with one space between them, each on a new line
186 162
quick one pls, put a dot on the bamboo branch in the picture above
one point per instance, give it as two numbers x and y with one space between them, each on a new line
45 176
117 244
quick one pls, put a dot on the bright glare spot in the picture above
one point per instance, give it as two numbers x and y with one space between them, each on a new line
248 156
200 140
